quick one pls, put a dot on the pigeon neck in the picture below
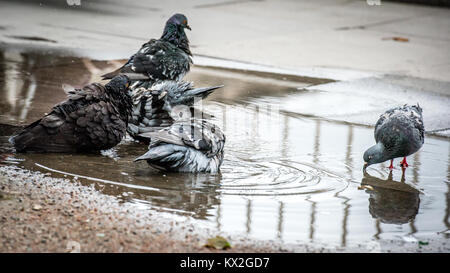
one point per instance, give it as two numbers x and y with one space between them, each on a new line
122 100
384 154
176 36
380 147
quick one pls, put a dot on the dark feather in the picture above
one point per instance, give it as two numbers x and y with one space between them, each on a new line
81 123
399 132
167 58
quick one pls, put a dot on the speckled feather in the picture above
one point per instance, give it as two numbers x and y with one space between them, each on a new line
401 130
192 145
92 118
152 107
167 58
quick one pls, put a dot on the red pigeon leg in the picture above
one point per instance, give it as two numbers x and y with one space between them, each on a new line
403 163
392 164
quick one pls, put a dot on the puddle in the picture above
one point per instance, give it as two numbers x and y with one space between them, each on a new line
285 175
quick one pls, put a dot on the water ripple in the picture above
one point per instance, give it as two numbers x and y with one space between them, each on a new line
279 177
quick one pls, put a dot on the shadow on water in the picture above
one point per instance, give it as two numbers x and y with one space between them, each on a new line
390 201
285 176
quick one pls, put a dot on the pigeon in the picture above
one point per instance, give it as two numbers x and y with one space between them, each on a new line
167 58
188 145
398 133
92 118
161 104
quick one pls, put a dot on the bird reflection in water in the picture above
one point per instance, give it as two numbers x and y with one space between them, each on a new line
390 201
194 194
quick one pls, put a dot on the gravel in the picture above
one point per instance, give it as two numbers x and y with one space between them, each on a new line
44 214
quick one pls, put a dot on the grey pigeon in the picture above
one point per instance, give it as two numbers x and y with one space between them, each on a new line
192 145
92 118
398 133
153 108
167 58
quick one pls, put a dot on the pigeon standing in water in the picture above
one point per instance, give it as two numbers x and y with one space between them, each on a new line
191 145
167 58
399 133
153 107
92 118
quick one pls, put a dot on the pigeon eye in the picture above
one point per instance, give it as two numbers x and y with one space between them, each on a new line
370 157
184 22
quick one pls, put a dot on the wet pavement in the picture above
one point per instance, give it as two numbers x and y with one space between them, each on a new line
303 35
287 175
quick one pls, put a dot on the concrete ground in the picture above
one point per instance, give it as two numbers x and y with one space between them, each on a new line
290 34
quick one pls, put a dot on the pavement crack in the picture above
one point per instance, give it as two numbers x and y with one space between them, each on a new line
375 24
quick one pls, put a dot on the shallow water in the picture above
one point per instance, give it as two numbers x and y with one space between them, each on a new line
285 175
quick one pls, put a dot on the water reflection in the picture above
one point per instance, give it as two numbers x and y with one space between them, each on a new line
392 201
185 194
447 201
19 92
248 224
25 73
285 175
280 220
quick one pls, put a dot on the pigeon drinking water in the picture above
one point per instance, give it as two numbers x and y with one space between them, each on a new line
399 133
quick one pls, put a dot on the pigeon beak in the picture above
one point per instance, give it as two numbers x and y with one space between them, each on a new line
188 27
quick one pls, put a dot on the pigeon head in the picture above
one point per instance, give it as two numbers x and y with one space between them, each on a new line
375 154
174 32
179 20
118 92
119 83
